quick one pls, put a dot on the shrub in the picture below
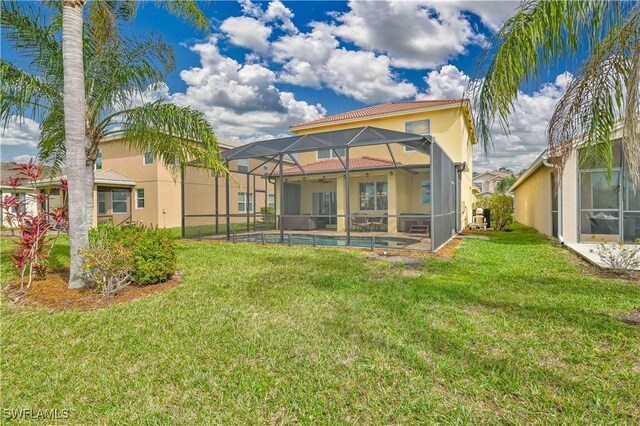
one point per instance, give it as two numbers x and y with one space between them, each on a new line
153 250
106 266
501 211
618 257
501 207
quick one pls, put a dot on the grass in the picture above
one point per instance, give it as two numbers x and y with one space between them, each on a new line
508 331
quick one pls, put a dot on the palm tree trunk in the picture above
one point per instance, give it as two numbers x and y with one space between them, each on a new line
75 133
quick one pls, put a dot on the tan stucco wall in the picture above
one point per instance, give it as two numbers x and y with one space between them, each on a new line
533 201
447 127
162 188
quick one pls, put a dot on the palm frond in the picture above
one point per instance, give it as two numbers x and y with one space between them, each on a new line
51 147
188 10
592 107
25 29
133 66
176 135
23 94
541 32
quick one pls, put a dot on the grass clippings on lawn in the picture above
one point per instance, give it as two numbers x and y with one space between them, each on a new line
53 293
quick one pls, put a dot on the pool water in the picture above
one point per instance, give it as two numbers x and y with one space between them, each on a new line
326 240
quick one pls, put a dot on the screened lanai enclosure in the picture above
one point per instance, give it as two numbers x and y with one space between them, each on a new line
366 187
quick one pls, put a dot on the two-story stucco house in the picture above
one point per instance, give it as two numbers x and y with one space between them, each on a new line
487 182
135 187
397 168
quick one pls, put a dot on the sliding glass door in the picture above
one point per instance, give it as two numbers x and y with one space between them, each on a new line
324 204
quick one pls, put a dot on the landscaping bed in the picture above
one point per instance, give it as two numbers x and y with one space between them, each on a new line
53 293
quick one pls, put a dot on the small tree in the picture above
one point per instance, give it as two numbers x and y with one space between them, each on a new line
501 211
31 255
505 184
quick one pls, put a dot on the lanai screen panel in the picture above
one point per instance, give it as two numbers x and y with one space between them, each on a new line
443 190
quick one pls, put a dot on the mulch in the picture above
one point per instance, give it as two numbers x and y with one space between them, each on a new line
445 252
53 293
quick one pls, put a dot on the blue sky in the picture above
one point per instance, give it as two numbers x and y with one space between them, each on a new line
267 65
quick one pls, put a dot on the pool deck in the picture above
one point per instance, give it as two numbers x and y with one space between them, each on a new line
586 251
424 242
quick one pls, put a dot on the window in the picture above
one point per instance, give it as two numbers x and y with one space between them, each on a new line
244 205
328 153
265 167
98 163
140 198
420 127
148 157
102 202
271 201
479 185
243 166
373 196
119 200
426 192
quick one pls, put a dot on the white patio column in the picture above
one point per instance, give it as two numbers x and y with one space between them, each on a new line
341 205
392 201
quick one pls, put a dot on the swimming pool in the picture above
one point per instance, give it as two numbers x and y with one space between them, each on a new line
327 240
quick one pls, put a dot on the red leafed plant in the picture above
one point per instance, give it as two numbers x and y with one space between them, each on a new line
31 255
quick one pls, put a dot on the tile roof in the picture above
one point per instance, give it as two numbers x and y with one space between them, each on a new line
105 176
334 165
109 176
6 172
224 142
380 109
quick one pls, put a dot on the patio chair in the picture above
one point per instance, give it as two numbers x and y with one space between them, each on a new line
360 223
379 223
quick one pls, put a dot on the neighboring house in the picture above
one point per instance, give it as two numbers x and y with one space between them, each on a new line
486 182
21 191
135 187
397 167
586 208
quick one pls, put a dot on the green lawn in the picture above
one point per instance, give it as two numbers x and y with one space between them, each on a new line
508 331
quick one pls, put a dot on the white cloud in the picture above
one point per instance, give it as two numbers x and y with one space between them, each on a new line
278 12
247 32
315 59
240 100
446 83
24 158
493 13
527 124
21 132
414 34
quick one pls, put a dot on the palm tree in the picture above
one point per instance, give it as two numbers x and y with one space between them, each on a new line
79 109
503 185
603 94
